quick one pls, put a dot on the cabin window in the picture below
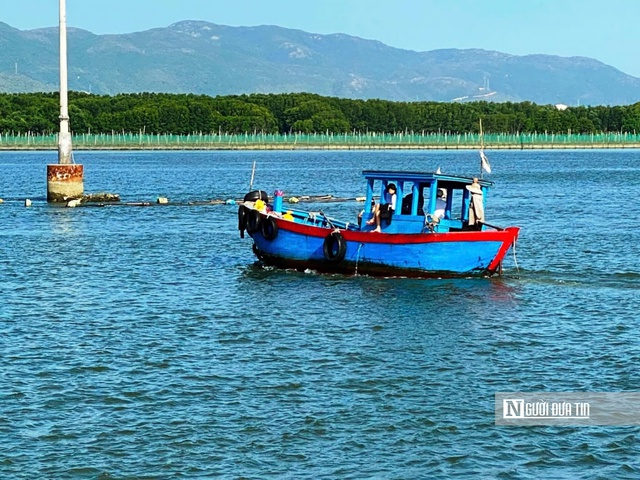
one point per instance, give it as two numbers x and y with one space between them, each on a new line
446 200
455 204
413 200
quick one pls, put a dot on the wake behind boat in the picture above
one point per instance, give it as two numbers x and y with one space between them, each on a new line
437 229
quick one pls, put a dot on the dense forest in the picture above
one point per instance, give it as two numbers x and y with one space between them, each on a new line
182 114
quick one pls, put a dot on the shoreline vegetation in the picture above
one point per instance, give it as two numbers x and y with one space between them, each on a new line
353 141
304 121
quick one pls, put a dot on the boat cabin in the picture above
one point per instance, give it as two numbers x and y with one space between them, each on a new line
416 200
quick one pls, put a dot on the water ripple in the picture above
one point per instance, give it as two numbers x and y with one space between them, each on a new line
147 342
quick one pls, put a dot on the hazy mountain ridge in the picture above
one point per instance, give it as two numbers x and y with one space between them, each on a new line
205 58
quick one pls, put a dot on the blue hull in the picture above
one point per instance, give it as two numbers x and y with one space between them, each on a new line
451 254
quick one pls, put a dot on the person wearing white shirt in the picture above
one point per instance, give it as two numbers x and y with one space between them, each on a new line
384 211
441 205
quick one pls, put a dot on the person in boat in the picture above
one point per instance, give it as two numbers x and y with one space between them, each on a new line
441 204
476 207
373 206
384 211
407 202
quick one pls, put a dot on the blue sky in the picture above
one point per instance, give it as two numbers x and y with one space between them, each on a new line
604 30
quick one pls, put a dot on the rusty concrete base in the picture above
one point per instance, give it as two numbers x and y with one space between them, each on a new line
64 182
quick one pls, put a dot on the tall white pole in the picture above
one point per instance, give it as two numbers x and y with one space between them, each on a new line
64 138
65 179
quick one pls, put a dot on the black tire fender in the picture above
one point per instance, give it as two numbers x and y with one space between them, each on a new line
269 228
242 219
334 247
257 195
254 219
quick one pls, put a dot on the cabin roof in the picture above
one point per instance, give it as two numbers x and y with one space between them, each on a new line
453 181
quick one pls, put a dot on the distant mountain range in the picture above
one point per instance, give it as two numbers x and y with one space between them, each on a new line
204 58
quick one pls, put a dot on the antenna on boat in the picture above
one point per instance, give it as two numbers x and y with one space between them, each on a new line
253 172
481 148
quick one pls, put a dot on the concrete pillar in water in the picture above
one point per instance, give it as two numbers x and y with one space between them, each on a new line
64 182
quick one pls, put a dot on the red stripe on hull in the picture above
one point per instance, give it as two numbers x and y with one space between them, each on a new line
507 235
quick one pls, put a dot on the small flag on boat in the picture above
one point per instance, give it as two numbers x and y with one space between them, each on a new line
485 162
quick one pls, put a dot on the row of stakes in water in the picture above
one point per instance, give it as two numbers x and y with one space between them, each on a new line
160 200
76 202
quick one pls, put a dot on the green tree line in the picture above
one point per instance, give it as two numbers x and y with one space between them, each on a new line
183 114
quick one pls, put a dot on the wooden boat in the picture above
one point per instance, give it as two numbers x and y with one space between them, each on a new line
412 242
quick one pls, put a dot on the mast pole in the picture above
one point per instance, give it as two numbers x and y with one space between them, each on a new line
253 172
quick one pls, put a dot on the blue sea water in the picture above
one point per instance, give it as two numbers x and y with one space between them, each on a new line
145 342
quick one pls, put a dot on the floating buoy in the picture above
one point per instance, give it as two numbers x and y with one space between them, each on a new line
163 200
73 203
1 200
230 201
27 203
293 200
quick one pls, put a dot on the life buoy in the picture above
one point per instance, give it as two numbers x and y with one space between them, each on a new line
269 228
257 195
242 219
253 221
334 247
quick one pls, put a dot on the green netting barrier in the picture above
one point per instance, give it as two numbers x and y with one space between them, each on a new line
322 140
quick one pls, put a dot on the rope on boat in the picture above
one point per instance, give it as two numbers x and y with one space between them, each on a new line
515 260
329 221
358 258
